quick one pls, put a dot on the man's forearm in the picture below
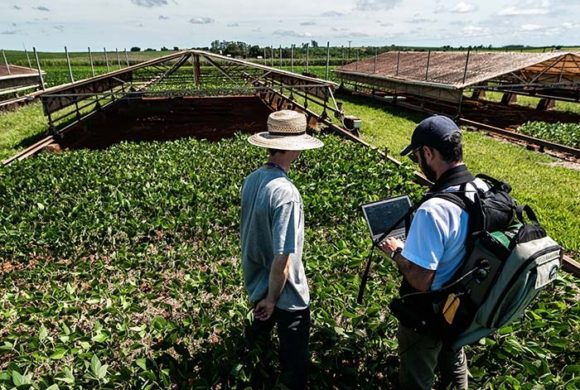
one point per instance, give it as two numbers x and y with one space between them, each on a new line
278 277
418 277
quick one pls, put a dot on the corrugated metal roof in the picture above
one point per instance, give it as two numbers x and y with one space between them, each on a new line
16 71
447 69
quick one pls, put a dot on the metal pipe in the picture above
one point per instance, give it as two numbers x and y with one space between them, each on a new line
91 60
72 79
106 58
465 70
6 62
428 59
39 70
327 57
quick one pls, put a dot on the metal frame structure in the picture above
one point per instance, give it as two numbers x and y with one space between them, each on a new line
185 73
444 76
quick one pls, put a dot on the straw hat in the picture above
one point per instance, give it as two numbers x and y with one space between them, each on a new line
286 131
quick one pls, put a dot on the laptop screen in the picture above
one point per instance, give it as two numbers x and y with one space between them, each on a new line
383 214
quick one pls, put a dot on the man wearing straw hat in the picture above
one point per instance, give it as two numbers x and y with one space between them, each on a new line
272 237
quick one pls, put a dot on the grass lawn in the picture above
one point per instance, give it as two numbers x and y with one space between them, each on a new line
19 129
531 101
552 191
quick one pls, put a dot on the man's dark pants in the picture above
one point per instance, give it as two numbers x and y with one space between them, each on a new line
293 332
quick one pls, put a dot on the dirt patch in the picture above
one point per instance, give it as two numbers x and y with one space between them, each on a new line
165 119
565 164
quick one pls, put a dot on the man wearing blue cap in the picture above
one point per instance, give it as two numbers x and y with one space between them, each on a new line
433 251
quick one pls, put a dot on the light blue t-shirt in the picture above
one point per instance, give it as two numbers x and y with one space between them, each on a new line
272 223
436 239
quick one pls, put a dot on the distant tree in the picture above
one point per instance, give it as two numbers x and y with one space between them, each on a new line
164 49
150 49
175 48
255 51
313 43
135 48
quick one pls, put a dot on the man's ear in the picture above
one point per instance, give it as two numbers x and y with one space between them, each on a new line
428 152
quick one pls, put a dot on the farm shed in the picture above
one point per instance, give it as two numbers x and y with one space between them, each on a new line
14 78
444 76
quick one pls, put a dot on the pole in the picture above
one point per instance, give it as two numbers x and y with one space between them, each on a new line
126 57
280 56
72 79
272 52
118 58
398 60
307 54
327 57
28 58
292 58
91 61
6 62
466 62
376 57
106 58
264 55
39 70
428 60
348 54
356 63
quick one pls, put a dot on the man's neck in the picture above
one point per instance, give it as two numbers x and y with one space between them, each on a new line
281 160
446 167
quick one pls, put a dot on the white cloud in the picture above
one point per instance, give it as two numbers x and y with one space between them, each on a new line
532 27
463 8
332 14
201 20
233 25
375 5
308 23
513 11
149 3
292 33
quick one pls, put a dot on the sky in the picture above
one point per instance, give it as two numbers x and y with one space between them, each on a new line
49 25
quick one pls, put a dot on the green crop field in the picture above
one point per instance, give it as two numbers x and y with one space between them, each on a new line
121 269
539 180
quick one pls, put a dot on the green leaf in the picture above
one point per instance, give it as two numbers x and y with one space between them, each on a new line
58 353
100 338
19 379
142 363
42 333
96 366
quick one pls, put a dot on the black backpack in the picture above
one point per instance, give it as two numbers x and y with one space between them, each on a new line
507 262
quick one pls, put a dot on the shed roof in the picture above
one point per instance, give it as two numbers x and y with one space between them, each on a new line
15 71
448 69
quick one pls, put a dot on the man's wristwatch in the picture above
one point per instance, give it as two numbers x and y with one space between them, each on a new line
396 252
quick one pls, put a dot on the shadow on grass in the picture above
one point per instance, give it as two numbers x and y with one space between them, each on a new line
233 362
382 105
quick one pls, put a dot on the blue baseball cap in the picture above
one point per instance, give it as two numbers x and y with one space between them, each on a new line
433 131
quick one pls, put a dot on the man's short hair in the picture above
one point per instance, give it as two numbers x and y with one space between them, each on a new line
275 151
452 150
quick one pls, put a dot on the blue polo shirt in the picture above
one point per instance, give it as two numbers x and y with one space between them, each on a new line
436 239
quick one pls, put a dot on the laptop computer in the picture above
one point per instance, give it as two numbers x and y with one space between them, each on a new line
383 214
